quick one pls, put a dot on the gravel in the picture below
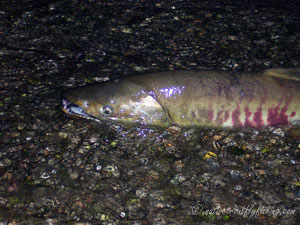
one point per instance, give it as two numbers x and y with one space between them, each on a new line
55 169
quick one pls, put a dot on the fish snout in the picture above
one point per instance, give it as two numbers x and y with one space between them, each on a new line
72 109
75 110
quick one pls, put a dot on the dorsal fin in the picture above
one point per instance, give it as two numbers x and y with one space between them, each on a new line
289 74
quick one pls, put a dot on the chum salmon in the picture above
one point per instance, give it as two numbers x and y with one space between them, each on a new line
192 98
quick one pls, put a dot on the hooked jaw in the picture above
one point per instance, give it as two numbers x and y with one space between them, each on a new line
75 110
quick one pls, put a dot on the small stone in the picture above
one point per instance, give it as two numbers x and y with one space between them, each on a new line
78 162
45 176
126 30
235 174
209 155
63 134
261 172
238 188
141 193
179 178
5 162
174 130
98 167
278 132
179 164
114 144
217 137
74 175
112 170
51 221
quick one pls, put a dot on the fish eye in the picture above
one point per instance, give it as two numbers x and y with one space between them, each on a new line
107 110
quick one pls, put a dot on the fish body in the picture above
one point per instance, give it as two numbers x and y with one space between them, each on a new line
193 98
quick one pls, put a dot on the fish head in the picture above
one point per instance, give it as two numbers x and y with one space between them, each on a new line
121 101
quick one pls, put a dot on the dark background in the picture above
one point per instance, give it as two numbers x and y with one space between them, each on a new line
57 170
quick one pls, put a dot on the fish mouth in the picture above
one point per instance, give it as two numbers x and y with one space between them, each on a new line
75 110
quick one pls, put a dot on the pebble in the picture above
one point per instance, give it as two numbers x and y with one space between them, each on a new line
279 132
141 193
111 170
74 175
174 130
238 188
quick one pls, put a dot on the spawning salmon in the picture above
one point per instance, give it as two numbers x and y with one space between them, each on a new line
192 98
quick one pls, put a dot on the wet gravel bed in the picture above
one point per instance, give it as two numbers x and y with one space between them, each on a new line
55 169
